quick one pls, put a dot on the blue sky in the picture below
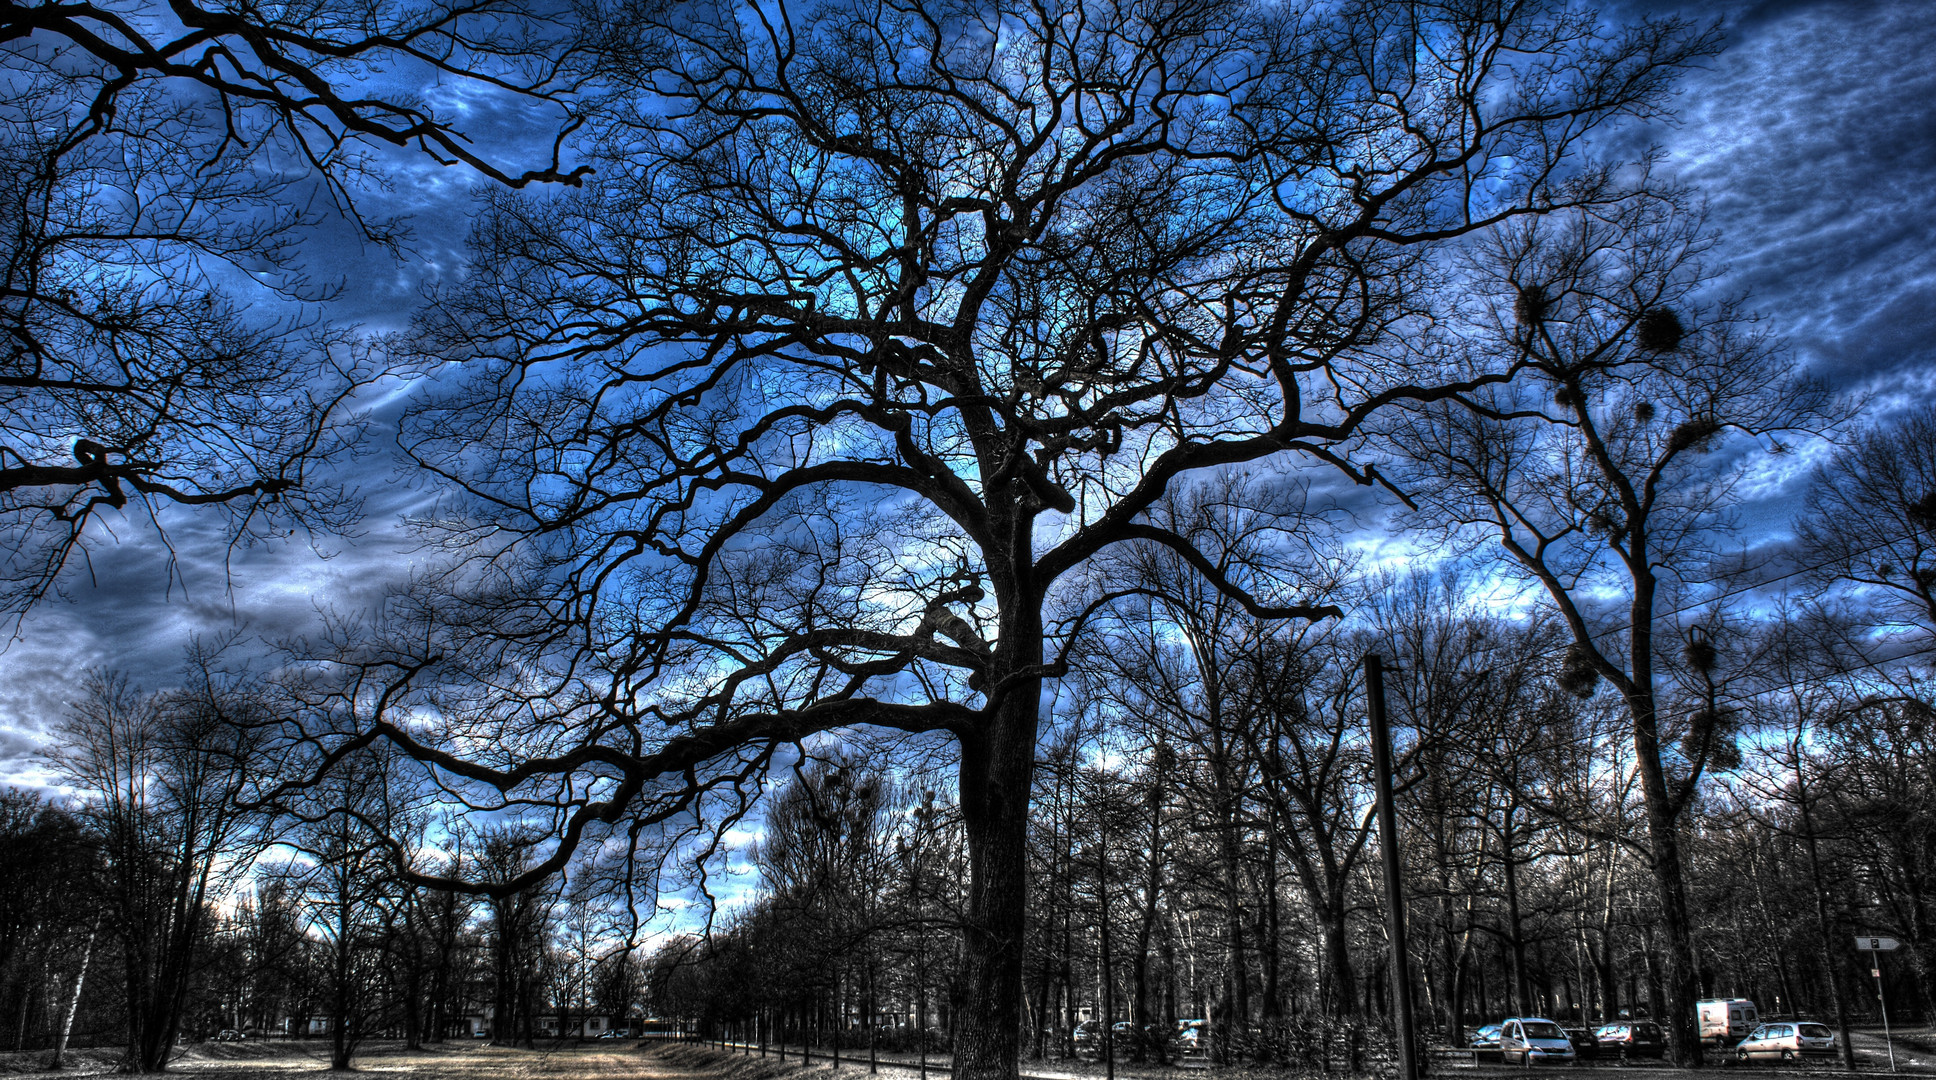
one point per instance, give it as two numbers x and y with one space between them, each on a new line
1813 137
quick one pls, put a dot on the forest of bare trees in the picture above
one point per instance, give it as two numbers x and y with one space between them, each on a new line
1200 844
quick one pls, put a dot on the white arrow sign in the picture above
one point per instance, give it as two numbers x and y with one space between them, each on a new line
1877 944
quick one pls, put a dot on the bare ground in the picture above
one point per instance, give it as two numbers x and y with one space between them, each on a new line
620 1060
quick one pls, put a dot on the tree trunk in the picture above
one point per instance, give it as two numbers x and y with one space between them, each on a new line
1337 955
73 1003
413 1008
1822 926
340 1003
995 781
1515 935
1663 835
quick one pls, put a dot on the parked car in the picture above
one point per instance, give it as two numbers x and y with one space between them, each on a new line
1151 1039
1787 1041
1192 1037
1485 1037
229 1035
616 1033
1524 1040
1088 1037
1725 1021
1585 1043
1633 1039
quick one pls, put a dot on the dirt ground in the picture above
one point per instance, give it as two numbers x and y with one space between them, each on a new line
309 1060
624 1060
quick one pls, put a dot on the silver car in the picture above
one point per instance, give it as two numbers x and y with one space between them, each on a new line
1787 1041
1526 1040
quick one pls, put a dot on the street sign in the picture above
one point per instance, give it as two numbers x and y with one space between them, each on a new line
1876 946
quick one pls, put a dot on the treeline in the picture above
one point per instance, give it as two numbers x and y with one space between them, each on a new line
1220 863
162 907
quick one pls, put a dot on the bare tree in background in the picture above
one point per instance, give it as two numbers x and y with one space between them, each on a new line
1870 521
518 923
1600 477
343 877
162 775
882 321
1188 666
162 167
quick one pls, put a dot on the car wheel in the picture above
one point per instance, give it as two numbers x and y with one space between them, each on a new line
1740 1055
1788 1055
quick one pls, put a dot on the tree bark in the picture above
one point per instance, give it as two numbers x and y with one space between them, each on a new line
1663 835
995 779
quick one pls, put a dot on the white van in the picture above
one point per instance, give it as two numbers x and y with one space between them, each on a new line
1726 1021
1524 1040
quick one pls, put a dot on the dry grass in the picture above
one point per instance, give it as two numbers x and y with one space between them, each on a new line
309 1060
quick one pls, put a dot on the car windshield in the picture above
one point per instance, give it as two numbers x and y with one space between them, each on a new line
1540 1029
1816 1031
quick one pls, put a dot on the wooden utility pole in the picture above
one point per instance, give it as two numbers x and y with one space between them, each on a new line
1401 967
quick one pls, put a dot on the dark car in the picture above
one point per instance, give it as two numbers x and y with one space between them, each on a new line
1634 1039
1088 1037
1089 1033
1585 1043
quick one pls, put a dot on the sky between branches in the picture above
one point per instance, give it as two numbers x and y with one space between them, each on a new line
1813 138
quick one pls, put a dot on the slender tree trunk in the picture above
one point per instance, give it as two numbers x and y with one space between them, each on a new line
1515 934
73 1002
1270 950
341 991
1146 926
1822 925
413 1007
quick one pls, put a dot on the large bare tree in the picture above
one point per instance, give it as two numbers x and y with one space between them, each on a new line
880 322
